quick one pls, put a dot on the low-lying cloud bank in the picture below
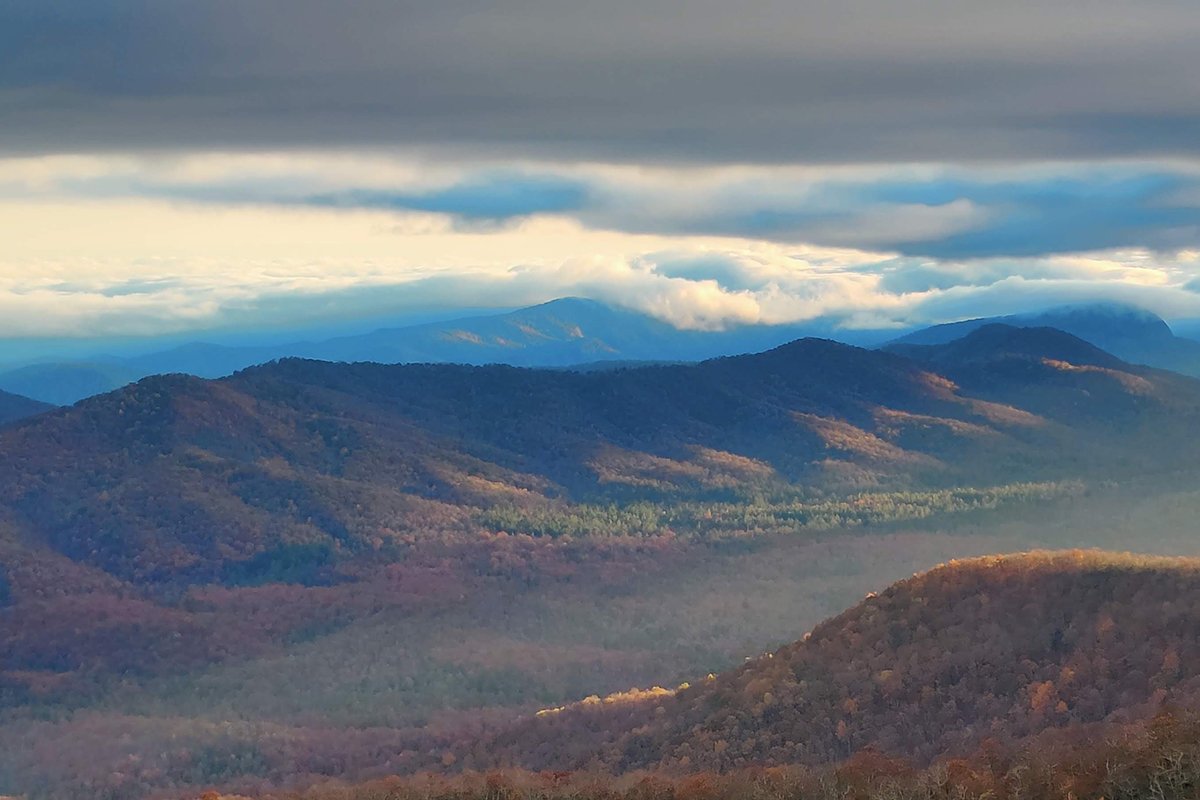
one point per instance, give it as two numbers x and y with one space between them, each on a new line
939 212
177 168
150 245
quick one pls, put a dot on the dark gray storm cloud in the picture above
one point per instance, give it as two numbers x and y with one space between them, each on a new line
874 80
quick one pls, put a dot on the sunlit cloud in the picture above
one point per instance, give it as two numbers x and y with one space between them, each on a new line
943 212
125 245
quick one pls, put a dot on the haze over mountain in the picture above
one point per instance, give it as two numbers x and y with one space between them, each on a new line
335 456
573 332
64 383
335 489
927 668
499 535
1128 332
14 407
561 333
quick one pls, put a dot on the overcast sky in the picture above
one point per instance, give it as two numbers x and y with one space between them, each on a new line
186 166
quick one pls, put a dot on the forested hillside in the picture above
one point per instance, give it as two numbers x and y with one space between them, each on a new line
1158 758
14 407
1131 333
560 333
959 679
998 648
285 469
314 569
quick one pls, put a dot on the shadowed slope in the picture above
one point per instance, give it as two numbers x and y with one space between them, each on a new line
1131 333
14 407
322 461
1002 647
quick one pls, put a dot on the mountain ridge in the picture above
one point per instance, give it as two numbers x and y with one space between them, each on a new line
278 546
581 333
1128 332
334 454
15 407
1000 340
927 668
560 333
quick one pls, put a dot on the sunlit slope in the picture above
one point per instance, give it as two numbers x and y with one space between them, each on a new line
1000 647
282 470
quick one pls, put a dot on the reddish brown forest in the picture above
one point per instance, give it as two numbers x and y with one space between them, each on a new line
1000 647
1159 758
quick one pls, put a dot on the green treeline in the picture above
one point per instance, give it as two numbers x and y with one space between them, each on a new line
762 513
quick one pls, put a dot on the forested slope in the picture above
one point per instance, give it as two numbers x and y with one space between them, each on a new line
298 464
1001 648
14 407
343 569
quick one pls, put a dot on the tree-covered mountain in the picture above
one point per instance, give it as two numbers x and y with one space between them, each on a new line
1159 757
14 407
1130 333
340 460
1052 373
311 568
999 648
576 332
560 333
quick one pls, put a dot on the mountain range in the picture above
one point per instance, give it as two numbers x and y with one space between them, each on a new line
926 669
578 333
344 458
561 333
316 568
14 407
1128 332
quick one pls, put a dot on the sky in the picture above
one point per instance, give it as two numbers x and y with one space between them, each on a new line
181 169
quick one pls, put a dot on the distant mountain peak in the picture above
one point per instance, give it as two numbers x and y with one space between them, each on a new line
1127 319
571 303
1040 342
1110 308
998 341
1132 334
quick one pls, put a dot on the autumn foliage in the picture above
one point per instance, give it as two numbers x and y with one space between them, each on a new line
998 648
1159 758
312 571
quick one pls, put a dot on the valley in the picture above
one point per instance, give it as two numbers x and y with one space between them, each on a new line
543 400
366 569
383 690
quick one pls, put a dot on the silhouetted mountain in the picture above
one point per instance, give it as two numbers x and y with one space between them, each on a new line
62 384
1000 648
1130 333
14 407
561 333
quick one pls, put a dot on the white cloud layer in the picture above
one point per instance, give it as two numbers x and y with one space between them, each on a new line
143 246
